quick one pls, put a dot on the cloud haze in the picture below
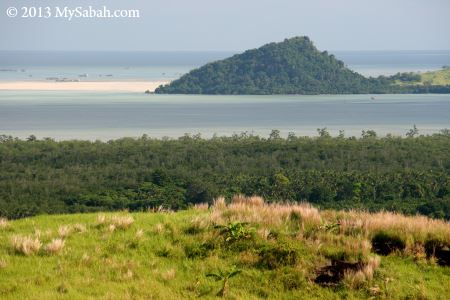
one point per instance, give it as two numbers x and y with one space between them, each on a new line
234 25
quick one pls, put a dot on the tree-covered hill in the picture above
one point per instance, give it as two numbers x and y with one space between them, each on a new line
294 66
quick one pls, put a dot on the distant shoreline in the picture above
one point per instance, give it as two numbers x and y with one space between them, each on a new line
102 86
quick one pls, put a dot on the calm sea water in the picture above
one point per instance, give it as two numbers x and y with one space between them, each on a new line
28 65
107 116
83 115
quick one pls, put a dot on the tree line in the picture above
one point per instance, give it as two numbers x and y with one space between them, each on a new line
410 175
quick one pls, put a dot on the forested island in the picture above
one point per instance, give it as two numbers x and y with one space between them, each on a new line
409 175
294 66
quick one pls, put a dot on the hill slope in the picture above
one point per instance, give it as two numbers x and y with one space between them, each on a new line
244 250
294 66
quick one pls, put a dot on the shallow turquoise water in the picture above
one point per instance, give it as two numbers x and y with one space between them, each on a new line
87 115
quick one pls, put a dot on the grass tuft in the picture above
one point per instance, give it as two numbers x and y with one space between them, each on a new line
64 231
55 246
26 245
4 223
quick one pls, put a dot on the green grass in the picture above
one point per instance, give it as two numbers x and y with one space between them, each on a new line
438 77
168 255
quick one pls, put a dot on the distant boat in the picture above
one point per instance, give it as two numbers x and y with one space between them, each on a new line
83 75
372 98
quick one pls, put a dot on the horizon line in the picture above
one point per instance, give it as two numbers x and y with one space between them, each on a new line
229 51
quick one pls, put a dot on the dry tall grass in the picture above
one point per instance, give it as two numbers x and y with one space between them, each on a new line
139 233
4 223
122 222
80 228
26 245
55 246
64 231
255 210
414 229
168 275
115 222
417 228
201 206
3 263
356 279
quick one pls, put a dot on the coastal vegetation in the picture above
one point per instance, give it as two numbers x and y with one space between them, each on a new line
431 78
293 66
244 248
404 174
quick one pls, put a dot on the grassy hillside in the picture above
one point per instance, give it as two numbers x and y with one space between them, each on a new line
440 77
431 78
243 250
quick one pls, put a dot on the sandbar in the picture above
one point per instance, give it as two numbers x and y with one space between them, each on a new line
103 86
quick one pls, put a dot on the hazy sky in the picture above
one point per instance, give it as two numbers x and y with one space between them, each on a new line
233 25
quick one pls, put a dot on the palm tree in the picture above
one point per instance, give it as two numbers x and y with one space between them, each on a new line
224 276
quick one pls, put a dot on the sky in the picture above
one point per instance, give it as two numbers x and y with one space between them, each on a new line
230 25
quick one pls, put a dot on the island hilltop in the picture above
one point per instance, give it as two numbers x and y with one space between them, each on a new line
294 66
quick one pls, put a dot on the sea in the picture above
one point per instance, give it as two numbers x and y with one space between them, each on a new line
65 115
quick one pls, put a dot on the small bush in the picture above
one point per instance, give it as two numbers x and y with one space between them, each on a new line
272 256
169 251
291 279
248 258
385 243
196 250
236 231
438 249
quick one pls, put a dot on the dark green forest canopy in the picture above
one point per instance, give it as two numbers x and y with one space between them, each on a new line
294 66
411 175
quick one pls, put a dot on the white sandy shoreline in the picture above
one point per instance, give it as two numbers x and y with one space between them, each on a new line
103 86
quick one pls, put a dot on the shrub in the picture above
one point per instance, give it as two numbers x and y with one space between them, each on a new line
385 243
291 279
236 231
26 245
196 250
224 276
438 249
272 256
